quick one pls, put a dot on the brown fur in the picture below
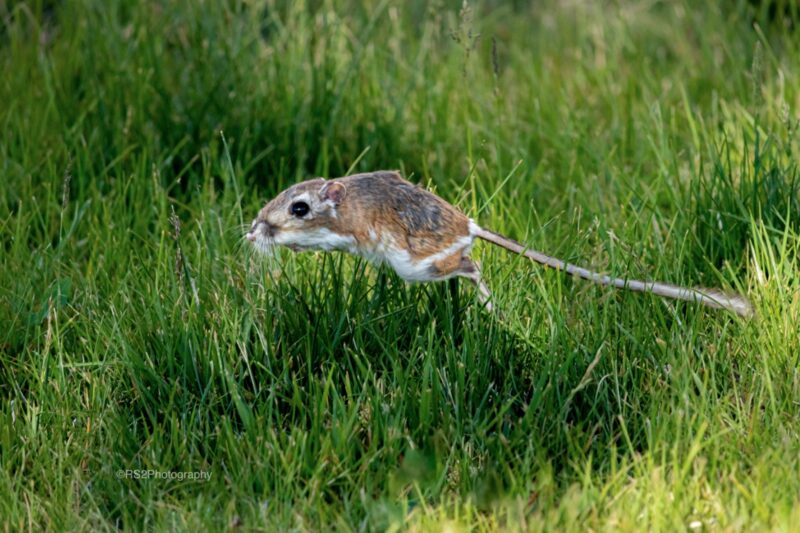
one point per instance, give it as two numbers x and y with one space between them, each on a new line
377 201
384 200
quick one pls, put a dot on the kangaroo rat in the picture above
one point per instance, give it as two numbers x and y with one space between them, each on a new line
386 219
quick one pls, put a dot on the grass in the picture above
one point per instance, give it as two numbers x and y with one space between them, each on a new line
649 139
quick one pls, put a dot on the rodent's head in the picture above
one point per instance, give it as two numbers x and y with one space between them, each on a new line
299 217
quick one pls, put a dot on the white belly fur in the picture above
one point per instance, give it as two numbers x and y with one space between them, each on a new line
387 251
318 239
382 249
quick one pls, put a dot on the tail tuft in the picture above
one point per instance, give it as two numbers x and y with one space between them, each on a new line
730 301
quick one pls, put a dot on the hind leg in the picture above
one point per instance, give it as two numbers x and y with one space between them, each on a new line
461 265
470 270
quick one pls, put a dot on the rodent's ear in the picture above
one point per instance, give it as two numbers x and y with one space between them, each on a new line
333 191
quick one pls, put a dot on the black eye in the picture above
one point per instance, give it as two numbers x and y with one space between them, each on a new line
299 209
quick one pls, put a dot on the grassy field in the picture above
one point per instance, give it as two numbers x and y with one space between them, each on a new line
139 333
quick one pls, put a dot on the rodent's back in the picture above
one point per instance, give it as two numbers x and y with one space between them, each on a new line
388 203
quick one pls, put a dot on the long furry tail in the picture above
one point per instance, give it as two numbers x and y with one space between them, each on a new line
715 298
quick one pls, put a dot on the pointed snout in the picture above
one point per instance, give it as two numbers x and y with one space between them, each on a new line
259 226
